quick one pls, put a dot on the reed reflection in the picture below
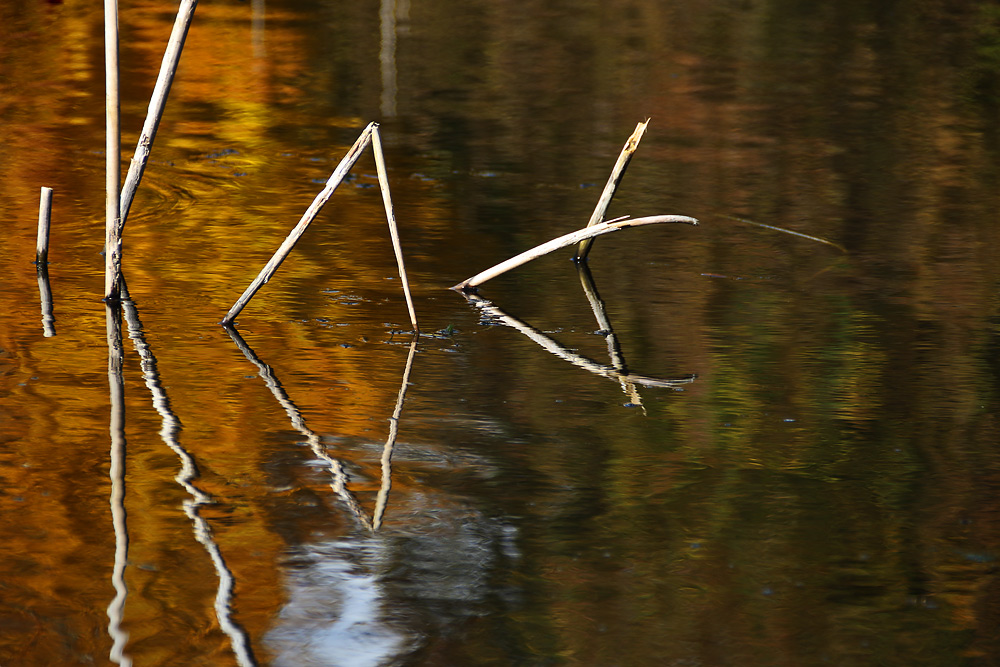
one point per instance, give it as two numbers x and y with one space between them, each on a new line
608 331
335 466
116 390
618 370
45 293
390 442
188 473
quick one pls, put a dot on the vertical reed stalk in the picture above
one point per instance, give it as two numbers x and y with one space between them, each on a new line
112 147
44 221
383 183
157 102
583 249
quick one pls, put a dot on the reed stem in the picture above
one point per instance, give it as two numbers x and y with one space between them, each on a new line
382 499
45 293
44 222
157 102
293 237
112 148
383 183
565 240
617 173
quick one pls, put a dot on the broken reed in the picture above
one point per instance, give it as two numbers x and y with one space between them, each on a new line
566 240
368 136
617 173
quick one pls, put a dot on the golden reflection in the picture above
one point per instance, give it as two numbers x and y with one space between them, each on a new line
336 468
313 439
170 428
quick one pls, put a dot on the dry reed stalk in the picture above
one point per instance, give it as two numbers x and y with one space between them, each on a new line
44 222
293 237
157 102
383 183
565 240
617 173
787 231
112 148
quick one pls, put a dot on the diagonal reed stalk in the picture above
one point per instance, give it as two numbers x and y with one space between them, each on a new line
157 102
368 135
383 184
617 173
336 178
600 228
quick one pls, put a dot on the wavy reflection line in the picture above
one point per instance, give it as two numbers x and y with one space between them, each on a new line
169 430
553 347
336 468
116 390
45 292
390 442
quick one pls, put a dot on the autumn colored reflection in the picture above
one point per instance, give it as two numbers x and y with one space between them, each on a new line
817 487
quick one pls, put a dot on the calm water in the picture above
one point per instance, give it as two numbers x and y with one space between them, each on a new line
801 468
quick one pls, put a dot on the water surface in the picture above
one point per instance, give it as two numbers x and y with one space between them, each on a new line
786 455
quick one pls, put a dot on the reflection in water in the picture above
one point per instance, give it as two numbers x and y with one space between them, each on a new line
313 439
372 600
390 441
258 23
45 292
617 371
117 473
606 330
169 431
825 492
387 57
336 467
335 614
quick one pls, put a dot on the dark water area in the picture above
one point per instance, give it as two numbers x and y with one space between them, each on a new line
787 452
